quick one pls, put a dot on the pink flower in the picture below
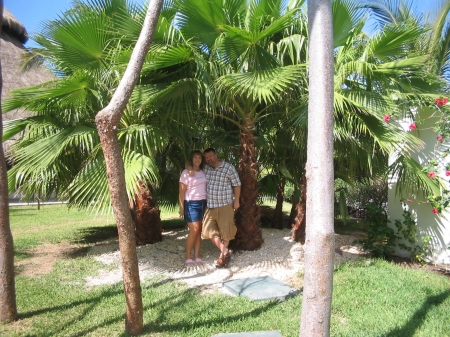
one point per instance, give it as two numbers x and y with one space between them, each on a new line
434 210
441 101
447 173
409 200
387 118
440 139
412 126
431 174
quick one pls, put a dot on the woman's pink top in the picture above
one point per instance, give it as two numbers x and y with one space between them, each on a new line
196 185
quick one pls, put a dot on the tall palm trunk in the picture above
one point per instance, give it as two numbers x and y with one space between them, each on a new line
319 247
8 311
299 224
146 216
248 222
277 221
107 121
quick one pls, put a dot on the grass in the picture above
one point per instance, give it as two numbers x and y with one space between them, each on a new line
371 297
57 223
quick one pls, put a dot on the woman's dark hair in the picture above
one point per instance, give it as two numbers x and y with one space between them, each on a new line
191 157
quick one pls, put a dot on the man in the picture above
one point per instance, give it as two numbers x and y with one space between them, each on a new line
218 222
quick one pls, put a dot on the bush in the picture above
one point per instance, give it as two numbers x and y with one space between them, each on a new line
363 193
381 239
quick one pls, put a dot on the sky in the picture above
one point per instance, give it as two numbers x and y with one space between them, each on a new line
33 12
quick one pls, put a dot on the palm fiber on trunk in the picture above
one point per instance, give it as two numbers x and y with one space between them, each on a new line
247 217
146 216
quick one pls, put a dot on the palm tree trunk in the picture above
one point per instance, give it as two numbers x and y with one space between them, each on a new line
319 243
8 311
277 221
299 224
106 121
146 216
248 222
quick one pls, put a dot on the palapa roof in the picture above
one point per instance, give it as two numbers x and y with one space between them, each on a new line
12 39
13 27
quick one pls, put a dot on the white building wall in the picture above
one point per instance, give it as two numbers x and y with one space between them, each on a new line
437 226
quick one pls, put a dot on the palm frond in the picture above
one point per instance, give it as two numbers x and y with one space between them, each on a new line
89 189
411 178
200 19
390 12
394 41
346 15
264 86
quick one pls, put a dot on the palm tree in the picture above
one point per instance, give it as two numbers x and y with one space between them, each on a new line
246 45
59 151
373 75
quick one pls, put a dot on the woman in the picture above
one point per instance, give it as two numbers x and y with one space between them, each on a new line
192 199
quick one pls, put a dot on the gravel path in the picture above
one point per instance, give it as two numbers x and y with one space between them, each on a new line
279 257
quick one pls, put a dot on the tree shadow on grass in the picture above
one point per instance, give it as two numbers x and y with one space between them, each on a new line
164 322
419 316
86 306
161 311
96 300
89 236
92 235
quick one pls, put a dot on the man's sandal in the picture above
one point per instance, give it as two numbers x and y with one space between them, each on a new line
222 262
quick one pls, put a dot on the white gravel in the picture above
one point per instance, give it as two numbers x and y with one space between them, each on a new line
279 257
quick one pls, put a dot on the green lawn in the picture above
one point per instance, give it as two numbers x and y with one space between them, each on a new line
371 297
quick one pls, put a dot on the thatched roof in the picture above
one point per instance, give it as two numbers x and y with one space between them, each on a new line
12 38
13 27
11 52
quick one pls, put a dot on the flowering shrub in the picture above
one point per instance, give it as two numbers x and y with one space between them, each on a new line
382 239
432 168
410 239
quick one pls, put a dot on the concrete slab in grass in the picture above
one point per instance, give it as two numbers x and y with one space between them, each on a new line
273 333
260 288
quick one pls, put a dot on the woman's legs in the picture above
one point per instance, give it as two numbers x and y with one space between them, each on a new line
194 239
197 229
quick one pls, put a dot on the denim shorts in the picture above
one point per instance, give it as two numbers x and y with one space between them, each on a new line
194 210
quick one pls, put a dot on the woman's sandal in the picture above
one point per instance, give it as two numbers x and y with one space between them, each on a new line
198 261
189 262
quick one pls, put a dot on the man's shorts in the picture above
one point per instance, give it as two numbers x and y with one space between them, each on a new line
219 222
194 210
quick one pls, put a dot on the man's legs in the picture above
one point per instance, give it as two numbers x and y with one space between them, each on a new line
221 244
217 224
227 229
